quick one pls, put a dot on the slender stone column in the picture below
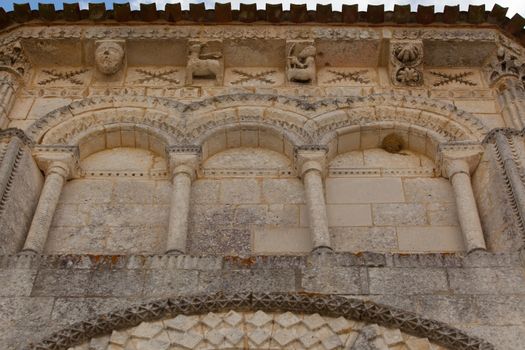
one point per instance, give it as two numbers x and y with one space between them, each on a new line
55 178
183 161
458 161
459 175
58 163
312 170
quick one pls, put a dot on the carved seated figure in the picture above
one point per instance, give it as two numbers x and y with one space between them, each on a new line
203 65
301 68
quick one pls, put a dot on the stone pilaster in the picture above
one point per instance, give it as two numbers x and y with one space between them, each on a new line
311 162
458 161
59 163
184 161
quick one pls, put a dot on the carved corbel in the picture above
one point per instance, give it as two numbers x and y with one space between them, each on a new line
406 62
110 58
300 62
65 157
205 61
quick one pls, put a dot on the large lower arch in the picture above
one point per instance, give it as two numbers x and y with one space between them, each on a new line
330 308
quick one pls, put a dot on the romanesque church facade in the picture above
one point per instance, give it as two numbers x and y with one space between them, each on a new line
262 179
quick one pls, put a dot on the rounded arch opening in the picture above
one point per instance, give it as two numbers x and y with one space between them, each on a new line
327 317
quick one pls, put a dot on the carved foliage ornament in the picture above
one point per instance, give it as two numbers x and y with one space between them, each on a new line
325 306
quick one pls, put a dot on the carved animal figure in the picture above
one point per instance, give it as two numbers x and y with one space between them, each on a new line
203 65
301 68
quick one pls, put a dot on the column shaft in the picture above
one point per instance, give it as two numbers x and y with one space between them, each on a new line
313 186
467 212
179 213
37 236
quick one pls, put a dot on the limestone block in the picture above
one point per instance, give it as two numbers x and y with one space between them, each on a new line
332 280
162 283
21 108
42 106
363 190
426 190
349 215
205 191
16 282
407 281
349 142
352 159
283 191
360 239
283 215
281 241
69 215
377 157
124 214
238 191
250 214
80 239
430 239
126 191
145 239
219 240
86 191
162 193
442 214
487 280
394 214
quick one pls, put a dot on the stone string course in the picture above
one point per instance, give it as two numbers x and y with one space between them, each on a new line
132 279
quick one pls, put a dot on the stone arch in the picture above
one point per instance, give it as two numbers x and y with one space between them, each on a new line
158 113
287 305
443 122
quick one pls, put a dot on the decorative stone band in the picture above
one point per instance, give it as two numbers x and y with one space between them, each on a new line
7 134
324 305
512 170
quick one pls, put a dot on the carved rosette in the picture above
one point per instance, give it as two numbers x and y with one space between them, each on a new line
406 62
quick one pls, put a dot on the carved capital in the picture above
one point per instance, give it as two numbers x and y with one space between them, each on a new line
455 157
14 59
184 159
310 157
406 62
57 159
506 64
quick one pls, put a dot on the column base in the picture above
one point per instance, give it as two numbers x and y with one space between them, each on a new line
28 252
174 252
322 249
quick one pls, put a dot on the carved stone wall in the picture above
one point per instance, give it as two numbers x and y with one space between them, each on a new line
163 178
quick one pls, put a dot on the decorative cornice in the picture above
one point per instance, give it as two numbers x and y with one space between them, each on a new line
324 305
273 13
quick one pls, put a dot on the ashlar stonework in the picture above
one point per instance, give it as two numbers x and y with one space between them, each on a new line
242 179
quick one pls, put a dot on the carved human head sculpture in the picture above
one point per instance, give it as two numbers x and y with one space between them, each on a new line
109 57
